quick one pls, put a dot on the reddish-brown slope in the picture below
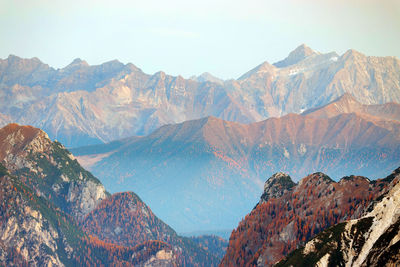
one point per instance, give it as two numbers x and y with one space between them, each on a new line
14 138
278 225
228 160
349 104
125 220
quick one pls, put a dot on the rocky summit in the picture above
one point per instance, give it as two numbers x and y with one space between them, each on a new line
286 219
49 169
372 240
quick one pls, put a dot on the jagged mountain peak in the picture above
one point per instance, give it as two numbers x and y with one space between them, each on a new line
354 178
79 61
276 186
315 179
301 51
297 55
264 67
27 130
15 138
115 63
13 58
54 171
207 77
18 68
352 54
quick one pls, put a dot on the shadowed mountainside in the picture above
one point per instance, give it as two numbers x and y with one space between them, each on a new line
229 160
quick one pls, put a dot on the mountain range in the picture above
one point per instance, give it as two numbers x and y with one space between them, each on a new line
198 152
172 168
82 104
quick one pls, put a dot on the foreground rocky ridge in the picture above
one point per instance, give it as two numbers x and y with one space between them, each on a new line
282 221
372 240
82 104
46 198
49 169
35 232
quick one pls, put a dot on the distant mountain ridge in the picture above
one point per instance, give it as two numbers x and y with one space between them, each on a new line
82 104
348 104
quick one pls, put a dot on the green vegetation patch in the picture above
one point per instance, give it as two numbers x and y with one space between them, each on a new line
324 243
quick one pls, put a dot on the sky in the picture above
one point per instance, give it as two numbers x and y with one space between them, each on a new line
184 37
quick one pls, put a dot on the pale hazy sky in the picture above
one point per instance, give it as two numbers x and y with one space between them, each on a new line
226 37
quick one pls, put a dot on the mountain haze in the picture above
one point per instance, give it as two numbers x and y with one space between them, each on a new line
82 104
172 168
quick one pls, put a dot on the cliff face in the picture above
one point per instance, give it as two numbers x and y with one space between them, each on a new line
50 169
25 229
276 186
372 240
289 214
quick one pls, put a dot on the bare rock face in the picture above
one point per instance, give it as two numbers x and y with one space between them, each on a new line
50 168
162 258
277 185
86 195
25 230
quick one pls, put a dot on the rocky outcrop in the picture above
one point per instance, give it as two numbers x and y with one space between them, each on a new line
162 258
25 229
277 185
50 168
278 225
85 195
372 240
